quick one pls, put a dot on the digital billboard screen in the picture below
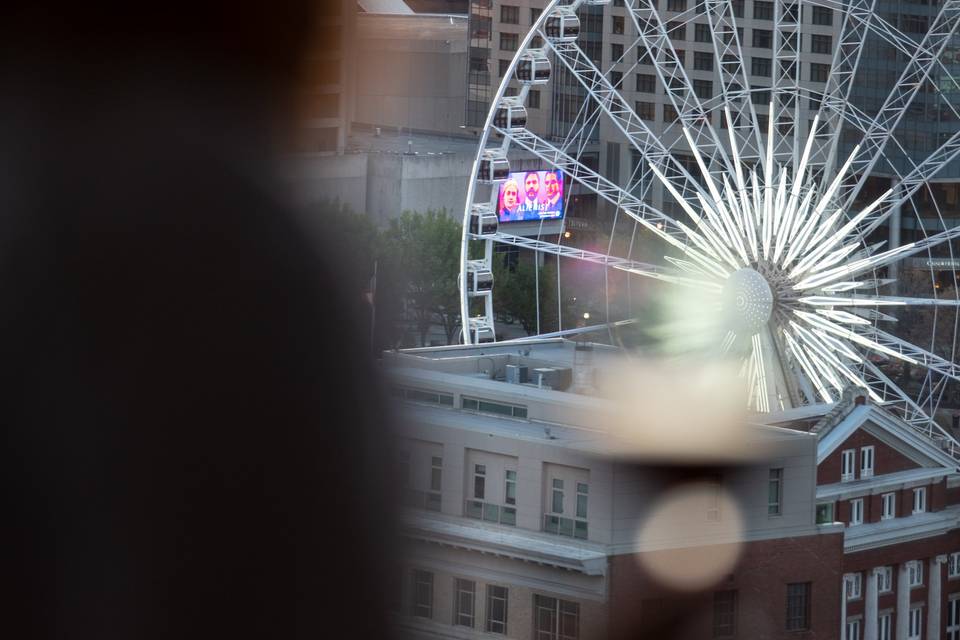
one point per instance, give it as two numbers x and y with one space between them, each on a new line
530 196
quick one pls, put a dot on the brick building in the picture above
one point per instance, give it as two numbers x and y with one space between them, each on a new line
897 495
524 518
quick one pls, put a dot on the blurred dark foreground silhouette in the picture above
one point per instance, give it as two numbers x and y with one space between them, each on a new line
192 427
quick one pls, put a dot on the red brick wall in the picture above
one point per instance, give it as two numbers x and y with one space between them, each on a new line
642 609
885 459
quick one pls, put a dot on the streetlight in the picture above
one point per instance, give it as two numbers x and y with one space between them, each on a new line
586 315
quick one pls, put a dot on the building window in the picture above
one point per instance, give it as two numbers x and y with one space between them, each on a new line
775 492
557 504
422 594
822 16
953 618
436 483
582 489
510 487
821 44
885 579
724 614
503 66
703 89
953 565
533 99
616 25
825 513
798 606
737 8
681 60
616 52
496 609
463 613
915 573
646 110
488 406
535 15
701 32
853 629
509 15
479 481
676 5
479 508
616 79
761 67
853 582
885 627
919 499
819 72
856 511
424 397
702 61
676 31
888 506
866 462
555 619
670 114
646 83
763 38
760 97
847 460
762 10
916 623
509 41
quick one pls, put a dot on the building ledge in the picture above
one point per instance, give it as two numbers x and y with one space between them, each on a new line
881 484
509 542
896 530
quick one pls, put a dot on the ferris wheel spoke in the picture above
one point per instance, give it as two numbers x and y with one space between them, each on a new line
882 342
672 231
843 71
653 36
883 259
636 131
911 183
734 81
913 77
785 76
646 270
877 301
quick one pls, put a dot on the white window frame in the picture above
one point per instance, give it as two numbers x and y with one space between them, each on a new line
952 629
853 629
854 583
885 626
953 566
888 505
885 580
914 574
848 461
866 461
856 511
919 499
915 623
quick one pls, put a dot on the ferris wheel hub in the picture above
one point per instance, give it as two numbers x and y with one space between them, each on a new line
747 300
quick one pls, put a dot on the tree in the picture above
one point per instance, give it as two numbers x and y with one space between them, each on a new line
515 293
425 249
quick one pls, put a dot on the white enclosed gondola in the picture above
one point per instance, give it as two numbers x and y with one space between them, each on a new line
483 220
533 67
511 115
480 281
494 167
562 26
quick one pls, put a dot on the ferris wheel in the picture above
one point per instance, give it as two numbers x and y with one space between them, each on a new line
758 200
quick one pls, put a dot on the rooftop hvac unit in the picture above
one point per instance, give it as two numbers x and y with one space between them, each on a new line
516 373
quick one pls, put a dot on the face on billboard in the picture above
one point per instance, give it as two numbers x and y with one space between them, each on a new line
531 196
